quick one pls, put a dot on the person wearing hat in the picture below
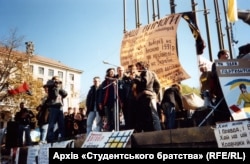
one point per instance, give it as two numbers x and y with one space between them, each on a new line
55 103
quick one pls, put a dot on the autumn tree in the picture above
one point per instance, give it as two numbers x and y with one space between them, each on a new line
14 71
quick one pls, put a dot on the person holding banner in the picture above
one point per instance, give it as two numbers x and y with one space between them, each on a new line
222 112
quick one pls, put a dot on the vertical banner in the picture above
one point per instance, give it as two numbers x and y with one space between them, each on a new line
155 44
234 76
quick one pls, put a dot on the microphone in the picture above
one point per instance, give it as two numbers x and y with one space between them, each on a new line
105 62
111 78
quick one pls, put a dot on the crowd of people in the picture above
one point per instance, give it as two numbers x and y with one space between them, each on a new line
133 92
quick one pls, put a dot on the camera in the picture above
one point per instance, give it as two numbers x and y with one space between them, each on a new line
50 83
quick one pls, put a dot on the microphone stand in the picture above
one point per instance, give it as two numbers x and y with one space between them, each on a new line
116 109
116 103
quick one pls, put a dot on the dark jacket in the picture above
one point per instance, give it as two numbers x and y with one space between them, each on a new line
107 94
56 96
215 88
147 81
42 115
166 99
92 100
24 116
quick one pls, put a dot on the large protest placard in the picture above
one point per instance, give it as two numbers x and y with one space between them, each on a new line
234 76
155 44
235 134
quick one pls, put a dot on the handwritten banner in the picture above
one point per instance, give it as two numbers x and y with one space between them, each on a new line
155 44
233 134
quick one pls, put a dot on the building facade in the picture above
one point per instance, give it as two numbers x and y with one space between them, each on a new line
44 69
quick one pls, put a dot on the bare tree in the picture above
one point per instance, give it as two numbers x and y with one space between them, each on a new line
15 70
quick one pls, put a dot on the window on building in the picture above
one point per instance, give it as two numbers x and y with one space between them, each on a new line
71 77
31 69
60 74
72 88
41 70
51 73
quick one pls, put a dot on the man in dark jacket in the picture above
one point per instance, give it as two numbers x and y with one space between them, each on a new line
147 89
23 118
93 110
222 112
171 103
55 103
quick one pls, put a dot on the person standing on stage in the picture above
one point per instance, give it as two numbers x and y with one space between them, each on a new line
93 111
107 98
147 89
222 112
56 94
23 118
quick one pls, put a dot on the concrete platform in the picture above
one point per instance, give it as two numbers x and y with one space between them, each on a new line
192 137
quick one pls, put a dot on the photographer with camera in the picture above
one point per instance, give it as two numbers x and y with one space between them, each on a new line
55 103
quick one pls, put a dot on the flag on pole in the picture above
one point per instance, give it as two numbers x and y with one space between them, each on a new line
232 12
190 18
